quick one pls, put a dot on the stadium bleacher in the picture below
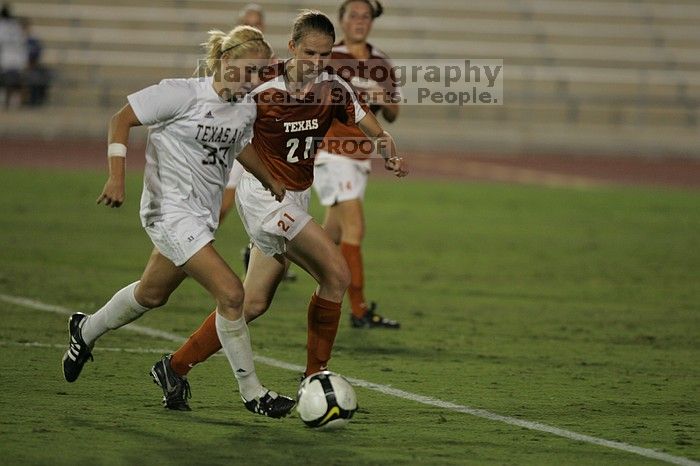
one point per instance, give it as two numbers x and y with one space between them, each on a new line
581 76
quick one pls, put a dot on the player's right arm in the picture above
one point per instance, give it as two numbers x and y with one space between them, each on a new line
119 126
155 104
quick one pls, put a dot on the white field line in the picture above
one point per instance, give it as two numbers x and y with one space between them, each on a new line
36 344
385 389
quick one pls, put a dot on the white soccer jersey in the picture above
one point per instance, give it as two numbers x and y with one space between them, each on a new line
194 137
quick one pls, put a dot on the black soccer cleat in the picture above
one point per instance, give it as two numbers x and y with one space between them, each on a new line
78 351
176 389
270 404
373 320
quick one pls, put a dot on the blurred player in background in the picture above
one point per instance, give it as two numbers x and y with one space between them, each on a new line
296 104
252 15
13 59
197 127
341 175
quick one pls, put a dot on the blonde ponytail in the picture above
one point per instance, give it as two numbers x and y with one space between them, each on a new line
213 46
240 41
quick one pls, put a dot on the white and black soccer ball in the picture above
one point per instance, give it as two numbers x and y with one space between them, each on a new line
326 400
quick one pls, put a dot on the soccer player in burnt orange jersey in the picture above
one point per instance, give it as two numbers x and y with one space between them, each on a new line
342 169
296 106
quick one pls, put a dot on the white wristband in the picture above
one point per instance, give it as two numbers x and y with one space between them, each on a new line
116 149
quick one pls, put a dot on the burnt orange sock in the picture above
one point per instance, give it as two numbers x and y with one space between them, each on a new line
323 318
199 346
353 256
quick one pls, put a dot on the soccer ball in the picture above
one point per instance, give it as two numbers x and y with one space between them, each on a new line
326 400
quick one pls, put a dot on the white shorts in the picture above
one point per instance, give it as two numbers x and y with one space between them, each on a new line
270 224
338 178
179 237
235 176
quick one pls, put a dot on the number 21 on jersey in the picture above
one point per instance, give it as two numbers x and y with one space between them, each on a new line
286 223
293 145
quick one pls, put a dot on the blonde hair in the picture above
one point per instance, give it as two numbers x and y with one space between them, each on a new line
240 41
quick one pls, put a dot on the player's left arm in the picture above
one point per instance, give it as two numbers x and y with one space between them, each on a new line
384 143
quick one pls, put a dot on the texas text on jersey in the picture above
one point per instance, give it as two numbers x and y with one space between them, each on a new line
288 130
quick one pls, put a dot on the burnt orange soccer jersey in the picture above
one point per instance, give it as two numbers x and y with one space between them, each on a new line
288 131
377 69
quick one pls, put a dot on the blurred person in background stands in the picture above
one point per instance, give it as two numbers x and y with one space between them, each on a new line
252 15
340 176
36 76
13 59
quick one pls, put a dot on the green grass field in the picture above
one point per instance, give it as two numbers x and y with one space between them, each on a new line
573 308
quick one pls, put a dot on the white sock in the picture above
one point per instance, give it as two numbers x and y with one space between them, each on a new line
235 341
119 311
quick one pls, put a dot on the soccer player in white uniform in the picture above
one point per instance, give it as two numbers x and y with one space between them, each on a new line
197 127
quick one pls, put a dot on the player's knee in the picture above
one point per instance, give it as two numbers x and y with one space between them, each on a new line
231 299
150 298
338 278
255 307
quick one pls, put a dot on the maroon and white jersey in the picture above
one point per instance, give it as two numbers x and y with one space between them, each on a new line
288 131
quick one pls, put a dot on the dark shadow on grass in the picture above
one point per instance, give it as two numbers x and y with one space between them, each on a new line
214 441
